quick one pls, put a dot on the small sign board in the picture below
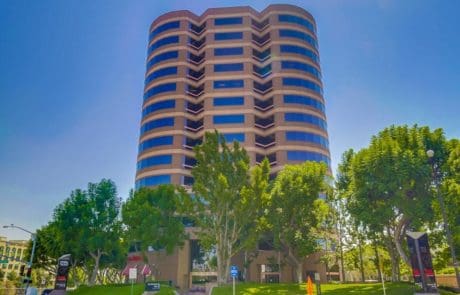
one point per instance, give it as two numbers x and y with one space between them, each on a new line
317 278
4 261
234 271
133 273
152 286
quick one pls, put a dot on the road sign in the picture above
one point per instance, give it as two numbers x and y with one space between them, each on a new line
4 261
152 286
234 271
133 273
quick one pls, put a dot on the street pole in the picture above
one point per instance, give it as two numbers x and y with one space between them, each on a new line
233 285
420 266
430 154
34 239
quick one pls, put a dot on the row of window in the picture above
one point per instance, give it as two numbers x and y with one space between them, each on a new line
288 33
305 118
167 87
296 20
236 101
158 123
231 67
303 83
235 21
154 161
295 156
304 100
235 67
307 137
284 48
164 27
230 137
288 65
223 36
163 42
307 156
160 73
228 51
237 119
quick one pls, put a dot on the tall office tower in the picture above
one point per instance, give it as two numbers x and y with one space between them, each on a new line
253 76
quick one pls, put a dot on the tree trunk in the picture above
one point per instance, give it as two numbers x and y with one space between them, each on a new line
393 256
97 258
299 272
399 233
377 263
361 264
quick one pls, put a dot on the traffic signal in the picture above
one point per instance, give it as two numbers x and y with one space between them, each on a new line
29 272
21 270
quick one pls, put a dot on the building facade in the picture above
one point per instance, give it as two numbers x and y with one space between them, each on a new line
254 76
12 256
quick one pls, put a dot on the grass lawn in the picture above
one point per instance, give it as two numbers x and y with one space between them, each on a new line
327 289
118 290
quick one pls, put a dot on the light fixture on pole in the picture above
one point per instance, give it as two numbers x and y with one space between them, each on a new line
33 236
437 180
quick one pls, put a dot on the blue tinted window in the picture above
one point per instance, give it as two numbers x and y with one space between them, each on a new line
153 161
161 105
153 180
228 36
307 156
228 67
296 20
301 66
164 27
306 118
228 84
304 100
228 119
161 57
302 83
228 51
231 137
160 73
228 101
163 42
299 50
150 125
307 137
286 33
154 142
228 21
159 89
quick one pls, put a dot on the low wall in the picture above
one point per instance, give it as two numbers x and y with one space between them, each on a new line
446 280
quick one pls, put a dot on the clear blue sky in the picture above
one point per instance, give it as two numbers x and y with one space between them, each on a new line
71 83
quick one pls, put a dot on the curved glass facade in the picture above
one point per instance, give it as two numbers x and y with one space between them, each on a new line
305 118
155 142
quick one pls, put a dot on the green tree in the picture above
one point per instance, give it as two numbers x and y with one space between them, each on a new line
87 224
296 211
389 184
227 200
151 219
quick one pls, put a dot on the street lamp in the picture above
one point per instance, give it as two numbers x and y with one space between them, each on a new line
437 179
33 236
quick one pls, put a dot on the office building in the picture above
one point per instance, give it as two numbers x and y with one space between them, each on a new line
255 77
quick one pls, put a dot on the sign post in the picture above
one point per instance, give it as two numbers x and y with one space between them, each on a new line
420 258
318 283
62 273
234 273
132 277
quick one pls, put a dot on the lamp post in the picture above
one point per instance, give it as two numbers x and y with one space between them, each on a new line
33 236
437 180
